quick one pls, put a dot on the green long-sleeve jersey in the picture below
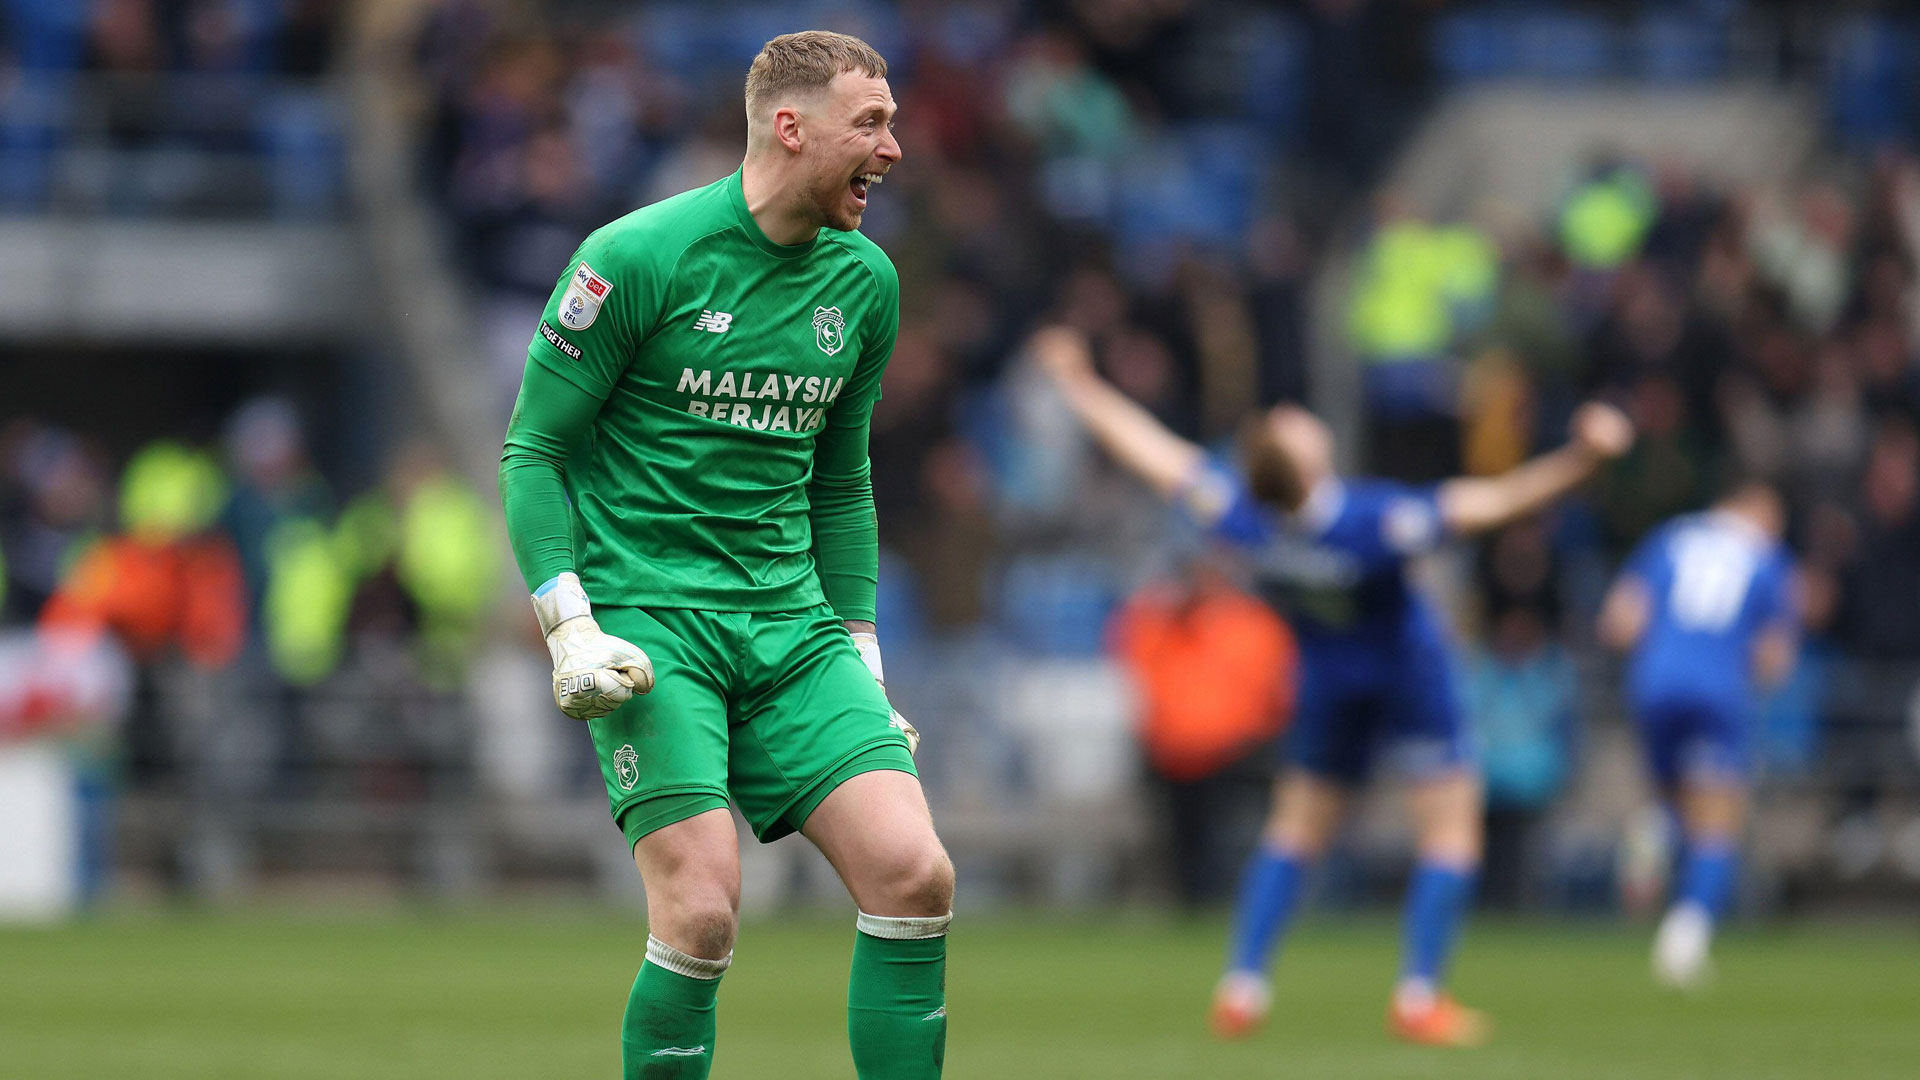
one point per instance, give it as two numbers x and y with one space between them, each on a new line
691 430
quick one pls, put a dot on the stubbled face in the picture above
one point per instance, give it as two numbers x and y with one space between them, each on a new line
1305 440
848 148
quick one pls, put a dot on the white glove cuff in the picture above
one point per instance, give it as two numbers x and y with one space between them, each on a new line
559 600
868 645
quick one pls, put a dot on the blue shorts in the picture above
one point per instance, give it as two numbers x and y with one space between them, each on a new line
1400 705
1693 738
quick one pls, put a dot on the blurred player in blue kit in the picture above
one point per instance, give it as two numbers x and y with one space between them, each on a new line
1706 609
1376 668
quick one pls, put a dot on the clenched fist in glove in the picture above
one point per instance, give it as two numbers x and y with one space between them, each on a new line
594 672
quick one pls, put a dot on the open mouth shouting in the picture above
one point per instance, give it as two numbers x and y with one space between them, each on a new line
859 185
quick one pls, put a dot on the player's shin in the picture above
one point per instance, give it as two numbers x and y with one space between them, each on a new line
1269 897
668 1030
897 998
1705 892
1707 880
1437 901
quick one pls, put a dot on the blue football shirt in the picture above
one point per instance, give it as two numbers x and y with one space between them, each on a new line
1714 582
1337 568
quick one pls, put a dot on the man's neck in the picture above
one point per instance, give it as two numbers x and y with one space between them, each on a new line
772 210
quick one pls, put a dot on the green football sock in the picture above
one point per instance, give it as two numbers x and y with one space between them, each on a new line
668 1030
897 998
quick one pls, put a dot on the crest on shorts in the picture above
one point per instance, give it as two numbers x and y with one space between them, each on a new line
580 304
829 329
626 767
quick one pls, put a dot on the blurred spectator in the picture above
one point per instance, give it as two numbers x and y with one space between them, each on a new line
304 610
274 482
1606 219
167 584
447 559
1280 266
53 503
953 550
1520 690
1881 616
410 565
1804 251
1668 470
1214 671
169 590
309 38
1065 107
1419 290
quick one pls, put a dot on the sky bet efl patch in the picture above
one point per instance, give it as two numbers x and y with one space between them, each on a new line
584 295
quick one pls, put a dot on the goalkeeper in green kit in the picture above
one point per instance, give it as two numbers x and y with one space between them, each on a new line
687 491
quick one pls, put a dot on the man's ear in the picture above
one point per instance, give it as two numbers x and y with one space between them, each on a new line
786 127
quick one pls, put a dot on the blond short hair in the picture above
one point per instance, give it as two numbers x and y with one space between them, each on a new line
1273 476
806 62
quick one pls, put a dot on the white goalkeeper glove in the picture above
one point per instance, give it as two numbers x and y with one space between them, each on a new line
868 646
594 672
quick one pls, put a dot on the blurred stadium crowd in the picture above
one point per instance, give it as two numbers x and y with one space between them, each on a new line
1169 177
181 107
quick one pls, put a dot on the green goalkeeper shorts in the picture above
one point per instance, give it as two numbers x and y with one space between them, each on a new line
772 709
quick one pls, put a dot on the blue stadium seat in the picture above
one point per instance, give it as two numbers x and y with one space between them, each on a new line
300 134
1565 47
693 40
1679 48
47 35
1471 46
34 117
1225 161
1057 605
1275 73
1870 79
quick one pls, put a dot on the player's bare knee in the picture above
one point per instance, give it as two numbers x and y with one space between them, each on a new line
701 924
1297 833
695 906
1457 847
933 893
713 930
919 883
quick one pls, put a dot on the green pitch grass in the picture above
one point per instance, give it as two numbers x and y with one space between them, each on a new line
526 994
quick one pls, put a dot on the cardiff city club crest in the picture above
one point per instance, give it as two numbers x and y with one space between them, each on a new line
829 329
626 766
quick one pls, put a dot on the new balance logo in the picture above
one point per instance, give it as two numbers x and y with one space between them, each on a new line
680 1051
715 322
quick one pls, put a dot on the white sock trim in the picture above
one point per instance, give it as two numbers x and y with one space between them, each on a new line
1413 994
662 955
908 928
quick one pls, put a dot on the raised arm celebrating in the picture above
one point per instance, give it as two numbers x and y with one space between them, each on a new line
1167 462
1287 452
1473 504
